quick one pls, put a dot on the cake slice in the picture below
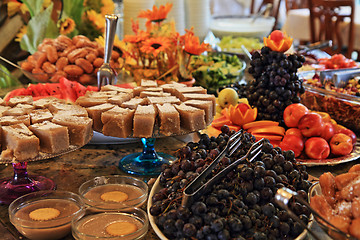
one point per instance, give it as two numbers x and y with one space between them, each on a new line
89 101
133 103
19 110
19 143
12 120
118 122
95 114
144 119
192 119
20 99
79 128
169 119
54 138
203 97
171 87
117 89
3 109
40 115
45 102
105 94
207 106
120 98
144 94
179 92
148 83
56 107
162 100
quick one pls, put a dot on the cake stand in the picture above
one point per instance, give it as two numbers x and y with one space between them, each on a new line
147 162
22 183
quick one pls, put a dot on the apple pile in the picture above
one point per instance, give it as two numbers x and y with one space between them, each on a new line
314 134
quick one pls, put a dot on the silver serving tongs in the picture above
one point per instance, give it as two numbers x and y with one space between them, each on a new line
282 198
106 75
197 188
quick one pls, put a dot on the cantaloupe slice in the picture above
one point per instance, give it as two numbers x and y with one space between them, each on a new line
275 130
271 137
261 123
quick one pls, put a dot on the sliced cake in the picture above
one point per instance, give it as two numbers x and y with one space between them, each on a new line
207 106
117 89
133 103
95 114
54 138
106 94
120 98
118 122
3 109
56 107
20 99
170 87
144 94
79 128
19 143
89 101
192 119
45 102
203 97
179 92
162 100
144 119
169 119
19 110
40 115
11 120
148 83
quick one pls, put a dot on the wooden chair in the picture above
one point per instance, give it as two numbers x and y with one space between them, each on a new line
274 11
326 21
295 4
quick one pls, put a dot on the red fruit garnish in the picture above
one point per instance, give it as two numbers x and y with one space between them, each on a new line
277 36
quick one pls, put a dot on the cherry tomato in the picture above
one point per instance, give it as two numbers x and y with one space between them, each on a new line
277 36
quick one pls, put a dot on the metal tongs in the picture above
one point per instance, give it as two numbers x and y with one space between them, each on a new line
313 46
197 188
106 74
282 198
263 11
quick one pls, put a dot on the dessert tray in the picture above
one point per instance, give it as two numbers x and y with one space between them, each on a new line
157 187
333 161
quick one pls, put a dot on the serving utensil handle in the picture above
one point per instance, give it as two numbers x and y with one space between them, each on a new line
110 22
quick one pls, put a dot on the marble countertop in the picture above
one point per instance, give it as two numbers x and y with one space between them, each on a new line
71 170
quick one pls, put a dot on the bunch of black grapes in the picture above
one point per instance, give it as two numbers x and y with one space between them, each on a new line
276 84
240 206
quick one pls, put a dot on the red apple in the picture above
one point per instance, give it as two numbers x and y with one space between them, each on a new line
293 113
292 142
341 144
348 132
311 125
317 148
295 132
328 131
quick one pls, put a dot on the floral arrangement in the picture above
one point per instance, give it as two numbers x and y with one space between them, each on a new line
51 18
160 52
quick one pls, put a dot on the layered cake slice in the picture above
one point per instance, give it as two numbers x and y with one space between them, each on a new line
171 87
54 138
19 110
179 92
144 94
40 115
203 97
45 102
105 94
144 119
120 98
169 119
192 119
117 89
207 106
95 114
89 101
11 120
133 103
79 128
73 109
162 100
20 99
19 143
118 122
148 83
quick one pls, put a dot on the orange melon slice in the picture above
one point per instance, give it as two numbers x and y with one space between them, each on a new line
261 123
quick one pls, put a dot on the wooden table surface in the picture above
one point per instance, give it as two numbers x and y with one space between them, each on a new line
71 170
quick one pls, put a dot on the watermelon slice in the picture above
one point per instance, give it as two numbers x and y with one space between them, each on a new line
68 90
53 89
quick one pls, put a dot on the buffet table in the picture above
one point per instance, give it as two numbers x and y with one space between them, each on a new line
71 170
297 25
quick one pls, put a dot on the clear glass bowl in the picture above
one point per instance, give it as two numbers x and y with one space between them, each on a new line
93 190
69 205
94 225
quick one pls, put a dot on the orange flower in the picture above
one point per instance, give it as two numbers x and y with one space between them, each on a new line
278 41
156 15
155 45
141 36
192 44
66 26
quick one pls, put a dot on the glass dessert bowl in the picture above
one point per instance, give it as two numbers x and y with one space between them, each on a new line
45 215
130 224
113 193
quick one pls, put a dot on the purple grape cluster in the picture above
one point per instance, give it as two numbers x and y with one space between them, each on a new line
241 205
276 84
